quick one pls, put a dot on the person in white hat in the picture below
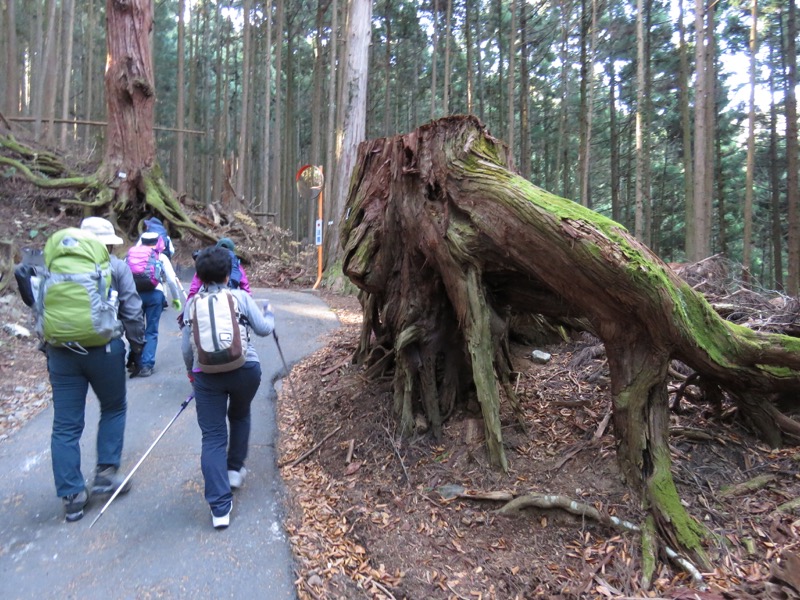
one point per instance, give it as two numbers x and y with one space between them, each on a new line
71 374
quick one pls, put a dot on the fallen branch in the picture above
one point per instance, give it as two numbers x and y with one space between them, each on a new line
568 456
382 588
601 427
347 360
397 452
571 403
789 506
490 495
305 455
751 485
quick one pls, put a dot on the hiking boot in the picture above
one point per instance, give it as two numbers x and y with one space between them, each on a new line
74 505
236 478
145 372
106 481
223 521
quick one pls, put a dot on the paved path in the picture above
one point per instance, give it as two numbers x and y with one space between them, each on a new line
157 541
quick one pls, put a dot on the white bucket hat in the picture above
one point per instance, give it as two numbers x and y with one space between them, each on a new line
102 229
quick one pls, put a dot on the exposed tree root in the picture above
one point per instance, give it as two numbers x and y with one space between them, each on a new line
124 202
549 501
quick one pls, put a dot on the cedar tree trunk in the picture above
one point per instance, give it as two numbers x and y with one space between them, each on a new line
447 243
136 182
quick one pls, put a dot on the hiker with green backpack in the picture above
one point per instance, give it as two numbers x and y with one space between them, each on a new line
85 301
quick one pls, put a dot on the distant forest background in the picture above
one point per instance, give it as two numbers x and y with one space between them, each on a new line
677 119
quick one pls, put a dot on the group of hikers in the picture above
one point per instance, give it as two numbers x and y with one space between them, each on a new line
85 300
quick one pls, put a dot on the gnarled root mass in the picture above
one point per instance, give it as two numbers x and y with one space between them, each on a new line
124 198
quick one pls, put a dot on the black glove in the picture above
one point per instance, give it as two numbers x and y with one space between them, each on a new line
134 364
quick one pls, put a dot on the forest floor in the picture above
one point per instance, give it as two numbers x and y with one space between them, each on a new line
375 516
371 515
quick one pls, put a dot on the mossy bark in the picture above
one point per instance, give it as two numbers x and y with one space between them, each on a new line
440 233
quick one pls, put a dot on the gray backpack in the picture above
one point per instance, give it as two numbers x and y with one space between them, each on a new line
219 340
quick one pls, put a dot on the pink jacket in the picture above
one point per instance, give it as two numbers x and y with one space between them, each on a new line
244 284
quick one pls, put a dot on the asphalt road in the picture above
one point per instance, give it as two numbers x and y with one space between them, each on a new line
157 541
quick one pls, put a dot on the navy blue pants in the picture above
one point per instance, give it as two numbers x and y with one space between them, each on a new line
217 396
152 306
71 374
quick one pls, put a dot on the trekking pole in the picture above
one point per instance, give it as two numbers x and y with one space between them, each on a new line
285 366
141 460
180 286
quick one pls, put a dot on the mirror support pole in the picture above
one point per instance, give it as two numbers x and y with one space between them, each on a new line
319 246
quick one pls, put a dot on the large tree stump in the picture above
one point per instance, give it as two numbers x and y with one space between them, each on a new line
446 243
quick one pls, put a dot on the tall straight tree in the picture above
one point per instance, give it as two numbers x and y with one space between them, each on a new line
562 152
265 167
69 21
703 133
333 43
434 56
524 94
502 63
686 134
448 34
616 213
88 79
793 279
469 50
588 44
244 126
353 106
180 109
774 177
480 87
41 92
218 154
288 210
747 241
642 152
130 96
387 68
512 50
277 142
315 154
197 34
12 64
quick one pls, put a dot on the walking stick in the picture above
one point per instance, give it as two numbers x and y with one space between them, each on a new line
285 366
183 291
141 460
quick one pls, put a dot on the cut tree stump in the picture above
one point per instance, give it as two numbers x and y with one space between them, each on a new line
447 243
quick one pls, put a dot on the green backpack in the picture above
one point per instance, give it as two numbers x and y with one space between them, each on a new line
75 305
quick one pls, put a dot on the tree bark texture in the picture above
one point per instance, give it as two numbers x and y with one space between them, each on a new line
136 182
352 105
792 183
130 92
447 243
